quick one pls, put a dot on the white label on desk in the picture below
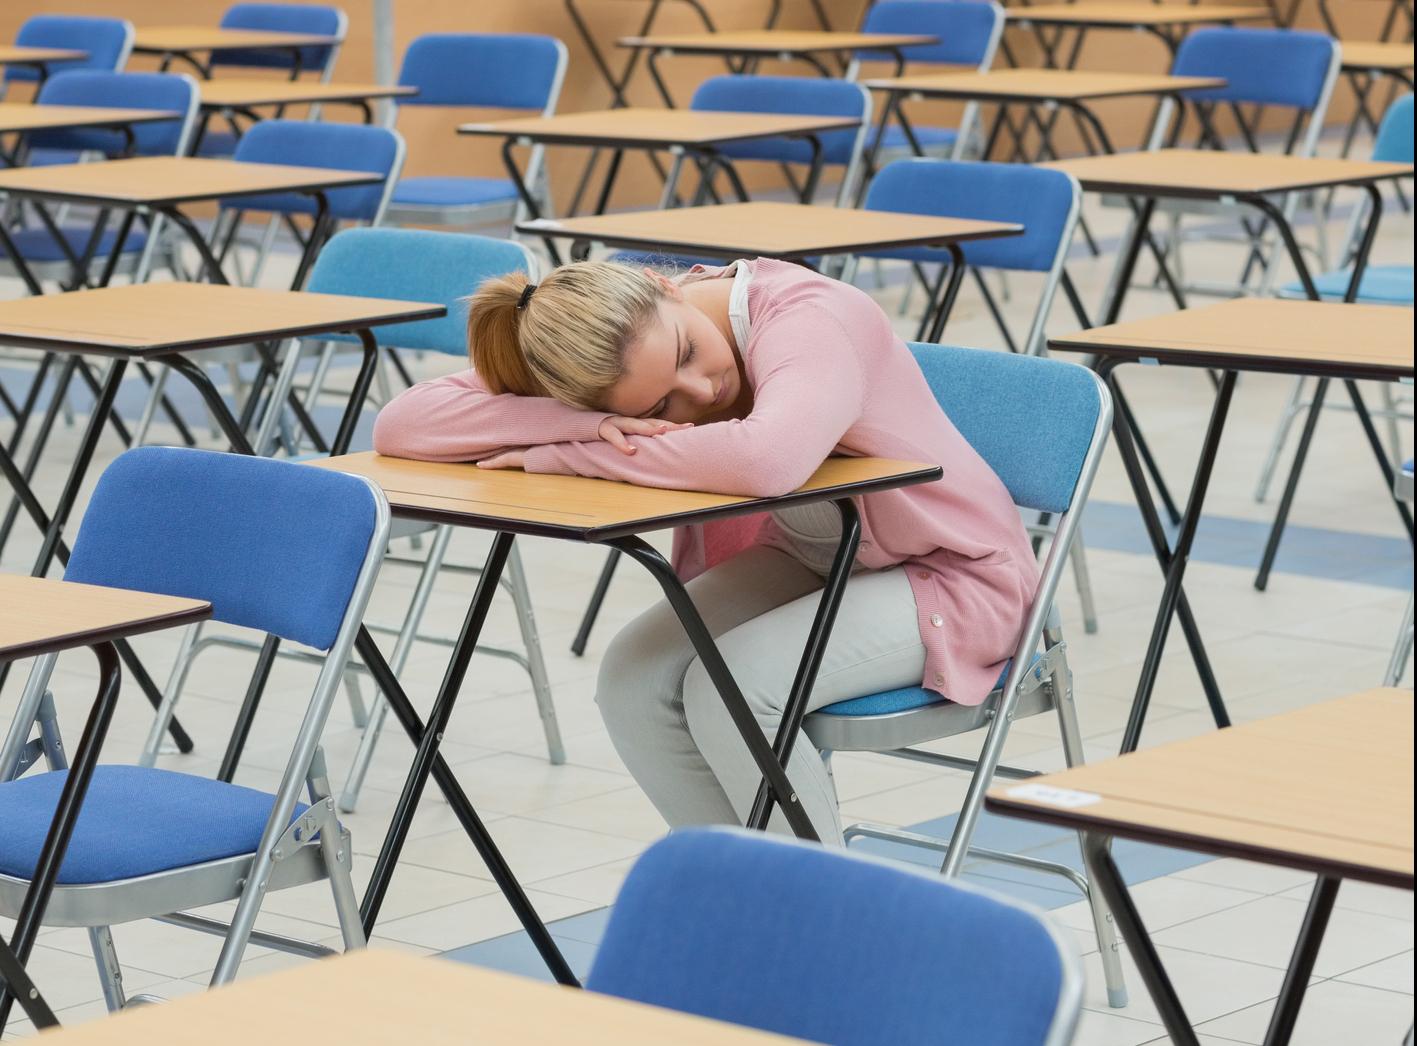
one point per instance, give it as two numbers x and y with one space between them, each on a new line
1067 798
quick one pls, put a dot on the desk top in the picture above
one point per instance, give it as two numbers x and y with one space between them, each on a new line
44 616
179 39
769 230
1210 174
1389 57
777 41
373 997
23 116
154 319
1326 789
1041 84
160 181
1106 15
581 509
239 93
38 55
1328 339
657 128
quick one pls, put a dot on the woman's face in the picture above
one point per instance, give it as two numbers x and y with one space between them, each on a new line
681 368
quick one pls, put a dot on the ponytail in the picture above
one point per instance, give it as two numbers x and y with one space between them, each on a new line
492 336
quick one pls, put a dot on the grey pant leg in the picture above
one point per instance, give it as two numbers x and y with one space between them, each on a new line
641 681
875 645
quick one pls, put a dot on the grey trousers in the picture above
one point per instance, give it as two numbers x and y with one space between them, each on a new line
668 723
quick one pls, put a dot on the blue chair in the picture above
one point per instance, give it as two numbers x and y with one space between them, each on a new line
1041 425
276 547
106 42
798 95
509 71
969 32
1402 648
832 947
162 91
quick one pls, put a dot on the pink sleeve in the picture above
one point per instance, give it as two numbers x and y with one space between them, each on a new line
457 419
808 394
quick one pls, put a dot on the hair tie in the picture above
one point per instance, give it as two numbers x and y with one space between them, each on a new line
527 292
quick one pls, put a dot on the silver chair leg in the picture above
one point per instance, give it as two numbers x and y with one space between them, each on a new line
140 433
1082 577
337 851
535 663
1402 649
1292 410
1390 414
157 732
26 714
358 711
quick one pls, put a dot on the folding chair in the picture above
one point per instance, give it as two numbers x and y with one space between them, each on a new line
106 43
833 947
1402 648
511 71
969 33
275 547
397 264
1381 285
1041 425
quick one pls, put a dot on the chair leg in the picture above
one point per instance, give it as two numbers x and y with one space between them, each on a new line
536 664
27 713
358 711
186 651
1082 577
1390 415
140 433
337 852
1296 406
1401 650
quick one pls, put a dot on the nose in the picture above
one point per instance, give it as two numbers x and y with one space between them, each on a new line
701 389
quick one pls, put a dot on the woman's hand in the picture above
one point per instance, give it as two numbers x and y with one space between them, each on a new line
613 430
507 459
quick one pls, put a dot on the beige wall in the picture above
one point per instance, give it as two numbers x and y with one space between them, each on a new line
434 149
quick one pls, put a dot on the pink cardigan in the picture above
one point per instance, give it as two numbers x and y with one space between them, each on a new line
829 376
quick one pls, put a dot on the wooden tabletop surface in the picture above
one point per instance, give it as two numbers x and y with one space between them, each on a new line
169 180
1268 334
23 116
1362 54
1327 789
150 319
26 55
1041 84
776 41
769 230
237 92
374 997
658 128
1209 174
175 39
582 509
1130 14
44 615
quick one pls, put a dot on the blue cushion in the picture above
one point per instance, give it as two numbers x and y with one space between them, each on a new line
902 700
104 42
1287 67
315 19
895 138
135 821
37 245
483 70
452 192
1382 285
799 95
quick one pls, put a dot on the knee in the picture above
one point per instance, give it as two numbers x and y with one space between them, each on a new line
635 671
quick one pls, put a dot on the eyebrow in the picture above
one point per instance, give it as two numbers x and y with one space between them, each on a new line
678 362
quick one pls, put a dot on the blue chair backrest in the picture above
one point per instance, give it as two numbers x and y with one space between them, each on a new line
799 95
271 545
830 947
176 92
314 19
415 265
967 29
1284 67
339 146
1394 144
106 41
1039 199
1031 418
486 70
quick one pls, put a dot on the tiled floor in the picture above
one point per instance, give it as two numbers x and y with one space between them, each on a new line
1224 928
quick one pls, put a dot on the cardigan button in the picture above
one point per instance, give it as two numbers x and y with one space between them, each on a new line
936 620
923 575
939 679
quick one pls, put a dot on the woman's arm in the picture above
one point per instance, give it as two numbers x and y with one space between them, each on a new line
457 419
809 393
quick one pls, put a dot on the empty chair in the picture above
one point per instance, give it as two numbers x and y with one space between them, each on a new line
1402 647
832 947
106 43
510 71
275 547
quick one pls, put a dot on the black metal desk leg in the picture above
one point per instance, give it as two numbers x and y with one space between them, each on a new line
708 653
1301 964
947 302
597 597
533 210
796 707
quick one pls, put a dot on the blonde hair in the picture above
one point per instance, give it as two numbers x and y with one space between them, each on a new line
568 338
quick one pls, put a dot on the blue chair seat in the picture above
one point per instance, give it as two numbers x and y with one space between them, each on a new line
902 700
37 245
135 821
894 137
452 192
1382 285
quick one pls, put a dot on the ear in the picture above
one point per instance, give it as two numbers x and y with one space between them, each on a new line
670 288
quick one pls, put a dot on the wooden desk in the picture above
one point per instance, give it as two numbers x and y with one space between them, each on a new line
1324 339
363 998
42 616
38 57
188 41
230 97
1166 22
615 514
699 135
1378 57
20 117
1326 789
